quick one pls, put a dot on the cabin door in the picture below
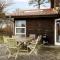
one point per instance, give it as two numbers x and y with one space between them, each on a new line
57 32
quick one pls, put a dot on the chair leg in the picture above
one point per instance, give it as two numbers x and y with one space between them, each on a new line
16 56
9 53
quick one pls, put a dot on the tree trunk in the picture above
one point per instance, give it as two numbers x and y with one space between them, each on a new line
52 3
38 6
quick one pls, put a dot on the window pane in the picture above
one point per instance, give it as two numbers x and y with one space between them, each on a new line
20 30
21 35
20 23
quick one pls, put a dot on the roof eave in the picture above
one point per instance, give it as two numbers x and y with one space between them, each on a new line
35 16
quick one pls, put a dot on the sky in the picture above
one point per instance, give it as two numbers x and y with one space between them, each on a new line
23 5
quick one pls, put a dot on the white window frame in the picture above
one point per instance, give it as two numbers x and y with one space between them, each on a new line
20 28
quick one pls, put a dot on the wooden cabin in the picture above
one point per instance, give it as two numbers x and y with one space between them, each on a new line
37 22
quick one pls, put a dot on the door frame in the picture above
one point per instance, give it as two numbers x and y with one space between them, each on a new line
55 37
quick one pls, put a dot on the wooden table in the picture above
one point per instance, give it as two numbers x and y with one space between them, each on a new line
24 39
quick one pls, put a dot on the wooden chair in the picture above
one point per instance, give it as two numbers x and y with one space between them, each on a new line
12 45
32 36
33 44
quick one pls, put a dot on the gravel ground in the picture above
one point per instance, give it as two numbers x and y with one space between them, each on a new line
41 53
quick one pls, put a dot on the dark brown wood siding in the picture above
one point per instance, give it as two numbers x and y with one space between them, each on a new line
40 26
56 3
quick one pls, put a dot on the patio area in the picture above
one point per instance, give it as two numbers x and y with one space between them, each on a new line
10 50
43 53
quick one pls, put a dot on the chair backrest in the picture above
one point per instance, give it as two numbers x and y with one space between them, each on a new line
35 44
39 37
11 42
1 40
5 39
32 36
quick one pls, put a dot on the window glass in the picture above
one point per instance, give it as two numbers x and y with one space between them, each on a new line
20 23
21 35
20 30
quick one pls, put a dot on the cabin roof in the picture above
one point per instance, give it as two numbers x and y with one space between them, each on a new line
34 12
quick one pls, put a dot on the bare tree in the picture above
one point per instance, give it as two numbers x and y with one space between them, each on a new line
5 23
4 4
38 2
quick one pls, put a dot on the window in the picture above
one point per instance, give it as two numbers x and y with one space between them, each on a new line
20 28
